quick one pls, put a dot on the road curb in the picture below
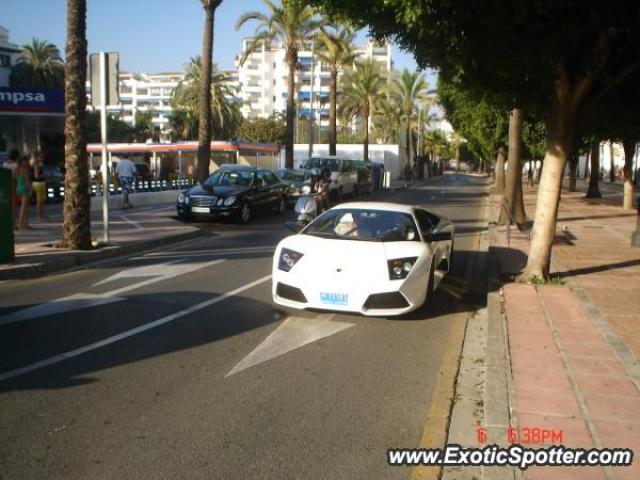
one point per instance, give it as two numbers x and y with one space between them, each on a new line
37 269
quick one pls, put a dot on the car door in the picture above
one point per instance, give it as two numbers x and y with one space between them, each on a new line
428 224
273 188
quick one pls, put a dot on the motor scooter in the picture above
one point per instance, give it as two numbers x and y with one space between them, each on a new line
309 205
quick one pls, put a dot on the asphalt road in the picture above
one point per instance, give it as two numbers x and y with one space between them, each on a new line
179 365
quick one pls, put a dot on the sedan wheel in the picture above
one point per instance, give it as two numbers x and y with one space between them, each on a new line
245 213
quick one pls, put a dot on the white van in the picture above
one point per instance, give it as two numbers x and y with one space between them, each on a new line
344 174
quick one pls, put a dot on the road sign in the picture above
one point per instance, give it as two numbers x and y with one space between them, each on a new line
112 67
104 91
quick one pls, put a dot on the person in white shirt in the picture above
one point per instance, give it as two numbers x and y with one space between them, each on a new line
125 169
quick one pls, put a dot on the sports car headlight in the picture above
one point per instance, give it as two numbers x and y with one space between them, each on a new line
288 258
400 267
230 200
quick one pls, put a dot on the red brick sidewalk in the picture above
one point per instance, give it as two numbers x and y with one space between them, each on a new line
574 347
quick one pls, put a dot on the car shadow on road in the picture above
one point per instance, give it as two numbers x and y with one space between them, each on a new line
109 338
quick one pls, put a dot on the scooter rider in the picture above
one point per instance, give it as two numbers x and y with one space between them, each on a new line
318 185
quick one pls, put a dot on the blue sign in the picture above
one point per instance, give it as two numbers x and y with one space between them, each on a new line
30 100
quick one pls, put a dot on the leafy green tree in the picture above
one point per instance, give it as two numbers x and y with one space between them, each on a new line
362 89
76 224
262 130
38 66
293 24
205 123
552 59
387 120
335 49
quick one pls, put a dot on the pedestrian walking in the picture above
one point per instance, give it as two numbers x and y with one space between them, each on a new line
38 184
23 191
125 169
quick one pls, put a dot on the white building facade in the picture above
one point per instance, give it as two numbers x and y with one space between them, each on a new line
9 53
263 79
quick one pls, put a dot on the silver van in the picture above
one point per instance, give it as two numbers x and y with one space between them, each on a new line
343 173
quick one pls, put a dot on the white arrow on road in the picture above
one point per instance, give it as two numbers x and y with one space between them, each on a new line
157 272
293 333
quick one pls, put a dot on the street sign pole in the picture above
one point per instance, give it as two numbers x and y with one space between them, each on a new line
103 134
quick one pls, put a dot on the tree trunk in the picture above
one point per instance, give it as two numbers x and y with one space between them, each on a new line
612 166
559 141
291 87
513 188
586 165
499 171
573 166
629 150
76 226
407 167
332 112
204 95
594 177
365 134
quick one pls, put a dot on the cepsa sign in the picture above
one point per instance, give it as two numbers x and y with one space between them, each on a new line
27 100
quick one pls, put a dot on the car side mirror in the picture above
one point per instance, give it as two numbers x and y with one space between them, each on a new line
438 236
294 226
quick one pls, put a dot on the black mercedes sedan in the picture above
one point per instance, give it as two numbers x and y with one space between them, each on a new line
233 191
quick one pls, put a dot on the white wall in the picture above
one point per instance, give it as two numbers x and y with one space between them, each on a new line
389 155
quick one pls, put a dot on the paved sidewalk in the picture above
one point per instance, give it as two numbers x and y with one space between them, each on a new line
130 230
574 348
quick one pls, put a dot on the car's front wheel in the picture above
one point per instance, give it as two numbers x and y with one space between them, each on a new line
245 213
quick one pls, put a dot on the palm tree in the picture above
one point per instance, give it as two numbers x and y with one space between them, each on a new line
39 66
409 89
223 104
293 24
76 226
362 89
204 110
386 120
335 49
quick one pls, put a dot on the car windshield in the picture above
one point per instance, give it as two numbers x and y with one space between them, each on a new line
291 175
322 163
361 224
227 178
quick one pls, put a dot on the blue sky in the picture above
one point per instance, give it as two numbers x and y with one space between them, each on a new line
151 35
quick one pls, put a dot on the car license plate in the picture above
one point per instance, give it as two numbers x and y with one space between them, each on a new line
334 298
200 209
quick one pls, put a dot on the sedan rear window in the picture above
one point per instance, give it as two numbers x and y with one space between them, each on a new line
360 224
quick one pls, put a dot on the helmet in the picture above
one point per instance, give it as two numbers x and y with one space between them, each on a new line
316 172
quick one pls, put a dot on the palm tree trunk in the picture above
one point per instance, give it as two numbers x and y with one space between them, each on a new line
499 171
629 150
407 167
204 94
594 177
332 113
365 133
291 87
76 226
612 167
513 190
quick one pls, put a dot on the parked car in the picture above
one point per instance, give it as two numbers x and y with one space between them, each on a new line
365 184
373 258
54 183
343 174
293 179
234 191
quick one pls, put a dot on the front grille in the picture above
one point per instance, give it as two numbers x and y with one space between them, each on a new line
385 300
290 293
203 201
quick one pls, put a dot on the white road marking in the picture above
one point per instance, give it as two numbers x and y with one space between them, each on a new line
135 225
293 333
60 305
159 272
129 333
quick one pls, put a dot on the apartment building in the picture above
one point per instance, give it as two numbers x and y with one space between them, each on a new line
263 79
9 53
